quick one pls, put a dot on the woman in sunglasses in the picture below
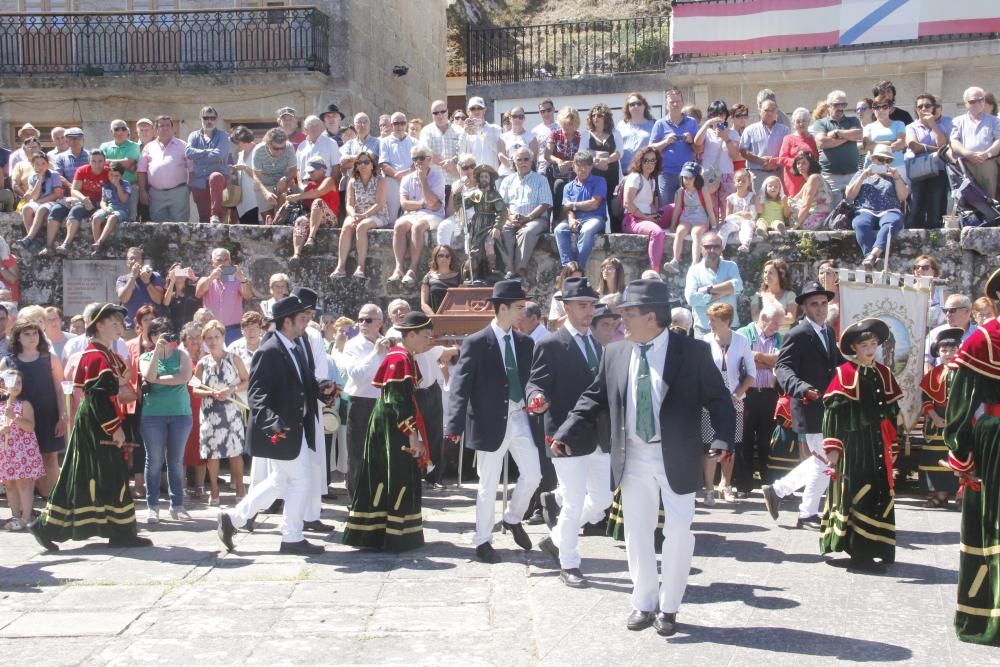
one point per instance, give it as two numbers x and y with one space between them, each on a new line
878 193
366 197
928 133
884 131
515 137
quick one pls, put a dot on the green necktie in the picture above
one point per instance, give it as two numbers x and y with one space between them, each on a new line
515 393
645 422
591 355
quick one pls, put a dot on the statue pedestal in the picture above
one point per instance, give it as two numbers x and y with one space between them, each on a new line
464 311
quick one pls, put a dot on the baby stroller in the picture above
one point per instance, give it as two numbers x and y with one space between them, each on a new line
973 206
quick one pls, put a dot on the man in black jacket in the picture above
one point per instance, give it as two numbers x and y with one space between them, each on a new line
283 395
565 364
808 359
655 385
487 403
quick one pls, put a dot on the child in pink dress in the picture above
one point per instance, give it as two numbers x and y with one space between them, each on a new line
20 458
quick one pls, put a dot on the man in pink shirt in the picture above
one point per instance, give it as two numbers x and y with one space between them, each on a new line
223 290
163 175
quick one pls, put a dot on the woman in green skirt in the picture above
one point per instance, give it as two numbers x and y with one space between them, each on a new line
91 497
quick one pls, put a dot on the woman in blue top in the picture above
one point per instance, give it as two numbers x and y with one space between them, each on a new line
635 127
878 192
885 131
211 154
166 417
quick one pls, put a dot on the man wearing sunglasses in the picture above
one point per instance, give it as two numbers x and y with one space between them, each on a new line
975 136
712 280
547 112
958 314
122 150
442 138
211 154
837 137
395 161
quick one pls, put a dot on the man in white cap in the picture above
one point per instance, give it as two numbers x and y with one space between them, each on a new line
481 138
288 120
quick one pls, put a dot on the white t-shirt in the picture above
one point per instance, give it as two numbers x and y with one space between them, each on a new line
742 204
514 142
644 197
715 150
483 145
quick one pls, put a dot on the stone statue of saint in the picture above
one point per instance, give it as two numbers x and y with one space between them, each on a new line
483 228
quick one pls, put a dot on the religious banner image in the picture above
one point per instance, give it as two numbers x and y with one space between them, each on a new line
901 302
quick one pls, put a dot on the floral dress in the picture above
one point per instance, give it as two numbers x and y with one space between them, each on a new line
20 457
221 429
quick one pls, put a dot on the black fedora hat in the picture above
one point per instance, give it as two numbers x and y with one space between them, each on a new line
645 293
813 289
332 108
869 324
286 307
577 289
949 336
992 285
601 311
414 321
308 297
508 291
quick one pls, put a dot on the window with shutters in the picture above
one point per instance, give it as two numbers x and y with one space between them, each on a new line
46 6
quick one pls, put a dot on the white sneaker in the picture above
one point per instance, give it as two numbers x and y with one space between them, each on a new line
215 220
728 494
153 515
709 497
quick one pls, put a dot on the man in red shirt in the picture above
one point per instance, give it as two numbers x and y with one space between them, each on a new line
86 193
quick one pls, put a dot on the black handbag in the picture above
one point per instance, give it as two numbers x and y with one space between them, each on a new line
840 217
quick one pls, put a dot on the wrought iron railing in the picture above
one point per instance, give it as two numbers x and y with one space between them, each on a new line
564 50
189 41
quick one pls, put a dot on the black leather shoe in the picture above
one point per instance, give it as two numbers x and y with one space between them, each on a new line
251 524
549 547
771 500
809 522
573 578
665 624
550 508
129 542
639 620
226 530
301 548
599 529
487 553
36 531
329 496
536 518
318 526
520 535
277 507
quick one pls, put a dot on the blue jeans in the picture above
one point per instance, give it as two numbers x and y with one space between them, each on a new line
589 229
667 185
165 436
873 232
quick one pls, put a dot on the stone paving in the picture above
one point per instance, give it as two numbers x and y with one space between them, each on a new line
759 594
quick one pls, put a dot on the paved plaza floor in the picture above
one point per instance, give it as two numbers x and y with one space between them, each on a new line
759 594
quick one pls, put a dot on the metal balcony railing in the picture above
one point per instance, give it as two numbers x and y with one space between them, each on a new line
569 49
188 42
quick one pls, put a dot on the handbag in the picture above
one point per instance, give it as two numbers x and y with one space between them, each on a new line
840 217
924 166
233 192
712 175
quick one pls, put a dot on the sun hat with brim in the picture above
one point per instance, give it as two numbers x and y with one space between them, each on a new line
286 307
853 332
485 169
577 289
992 285
101 313
414 321
950 336
508 291
645 293
883 151
27 127
813 289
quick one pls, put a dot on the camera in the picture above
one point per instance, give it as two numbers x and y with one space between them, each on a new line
147 269
171 337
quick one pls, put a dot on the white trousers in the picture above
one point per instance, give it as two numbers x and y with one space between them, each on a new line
584 492
260 470
808 475
391 201
489 466
643 485
291 480
339 461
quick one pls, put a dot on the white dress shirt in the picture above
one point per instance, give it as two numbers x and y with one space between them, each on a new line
820 332
290 346
325 147
540 332
579 343
361 363
657 357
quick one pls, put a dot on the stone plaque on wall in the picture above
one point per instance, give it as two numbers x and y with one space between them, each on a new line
87 281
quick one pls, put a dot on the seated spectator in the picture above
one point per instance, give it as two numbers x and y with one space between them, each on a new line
775 290
878 194
210 153
692 213
604 141
45 189
528 200
741 212
246 211
560 149
925 266
791 145
761 142
480 137
712 280
279 286
288 122
516 137
612 277
975 136
163 175
641 203
114 208
85 198
122 151
814 201
635 128
772 207
320 200
317 144
884 131
927 134
24 133
223 292
719 146
366 197
421 198
139 287
451 231
67 161
442 274
364 141
60 144
983 309
274 170
557 313
178 295
586 210
22 171
395 162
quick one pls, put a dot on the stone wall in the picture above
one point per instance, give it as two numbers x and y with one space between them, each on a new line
967 258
